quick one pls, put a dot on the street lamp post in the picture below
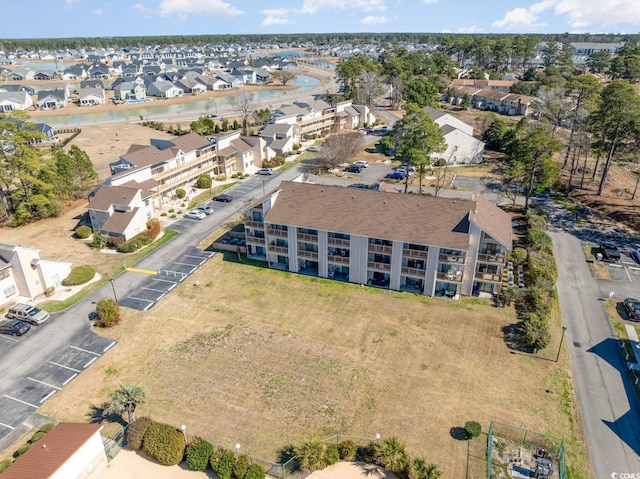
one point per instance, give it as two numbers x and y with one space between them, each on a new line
183 428
113 287
560 347
377 436
238 449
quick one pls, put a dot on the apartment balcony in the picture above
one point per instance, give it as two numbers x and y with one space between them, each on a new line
308 254
378 248
379 266
492 258
451 258
338 259
455 277
338 241
190 168
271 231
415 253
254 224
255 240
418 272
494 278
278 249
308 238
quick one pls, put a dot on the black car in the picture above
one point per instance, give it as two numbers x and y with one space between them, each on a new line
633 308
225 198
610 252
14 327
354 168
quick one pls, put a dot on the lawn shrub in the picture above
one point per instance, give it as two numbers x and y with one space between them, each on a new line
255 471
171 210
47 427
347 449
216 455
37 436
22 449
136 431
536 330
311 455
83 232
115 241
225 466
7 462
164 443
331 454
108 313
198 454
142 239
79 275
518 255
99 240
180 193
204 181
241 467
473 429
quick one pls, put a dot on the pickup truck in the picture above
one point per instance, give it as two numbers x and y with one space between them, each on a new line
610 252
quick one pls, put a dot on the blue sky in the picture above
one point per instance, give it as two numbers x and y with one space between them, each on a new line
79 18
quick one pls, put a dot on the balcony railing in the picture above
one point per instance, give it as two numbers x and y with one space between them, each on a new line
378 248
492 258
254 224
413 271
255 240
496 278
338 241
308 254
414 253
451 258
308 237
338 259
454 277
278 249
276 232
379 266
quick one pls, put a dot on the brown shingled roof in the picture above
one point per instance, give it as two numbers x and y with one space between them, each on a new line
410 218
119 221
190 142
493 220
41 462
150 155
109 195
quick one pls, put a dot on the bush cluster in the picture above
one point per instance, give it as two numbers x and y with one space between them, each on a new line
180 193
83 232
204 181
541 293
38 435
142 239
136 431
79 275
164 443
274 162
198 453
108 313
347 449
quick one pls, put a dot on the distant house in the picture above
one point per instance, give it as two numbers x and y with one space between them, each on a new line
94 83
462 147
91 96
21 74
52 99
44 76
129 91
68 450
191 86
280 137
14 100
24 273
74 73
164 89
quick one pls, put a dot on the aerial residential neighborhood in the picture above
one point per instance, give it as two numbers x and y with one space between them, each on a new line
290 254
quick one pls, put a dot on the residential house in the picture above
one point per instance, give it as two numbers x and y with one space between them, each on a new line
93 83
503 86
14 100
129 90
21 74
280 137
315 116
443 118
230 81
462 147
191 86
213 82
91 96
75 73
52 98
511 104
238 153
44 76
436 247
164 89
67 451
30 276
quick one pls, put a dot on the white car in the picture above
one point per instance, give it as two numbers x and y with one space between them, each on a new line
196 215
264 171
313 149
364 164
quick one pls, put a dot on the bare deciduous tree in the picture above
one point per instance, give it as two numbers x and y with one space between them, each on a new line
245 104
369 88
339 147
283 76
397 89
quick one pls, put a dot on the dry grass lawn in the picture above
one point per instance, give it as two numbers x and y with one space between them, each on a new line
267 358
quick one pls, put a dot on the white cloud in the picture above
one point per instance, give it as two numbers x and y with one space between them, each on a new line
186 7
314 6
97 11
524 18
581 13
140 8
276 16
373 20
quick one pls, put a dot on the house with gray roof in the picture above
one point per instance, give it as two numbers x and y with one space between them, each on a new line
14 100
164 89
91 96
49 99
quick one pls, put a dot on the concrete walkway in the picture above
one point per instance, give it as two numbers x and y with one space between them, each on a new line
353 470
136 465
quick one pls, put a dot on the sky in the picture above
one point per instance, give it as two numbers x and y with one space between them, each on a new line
104 18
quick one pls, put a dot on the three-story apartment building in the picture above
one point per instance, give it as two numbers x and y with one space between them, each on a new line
434 246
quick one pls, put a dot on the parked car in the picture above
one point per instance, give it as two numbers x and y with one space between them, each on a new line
636 255
364 164
207 210
354 168
196 215
396 175
212 115
610 252
313 149
28 313
384 128
223 197
264 171
633 308
14 327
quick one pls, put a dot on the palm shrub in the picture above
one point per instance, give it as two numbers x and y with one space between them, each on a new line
255 471
421 469
392 455
472 428
83 232
198 454
126 399
311 455
216 455
347 448
241 467
225 466
79 275
136 432
164 443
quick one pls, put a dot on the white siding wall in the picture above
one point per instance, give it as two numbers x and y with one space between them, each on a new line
87 463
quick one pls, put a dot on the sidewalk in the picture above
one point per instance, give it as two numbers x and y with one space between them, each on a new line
136 465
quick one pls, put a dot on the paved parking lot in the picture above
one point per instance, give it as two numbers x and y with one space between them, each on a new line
27 394
159 285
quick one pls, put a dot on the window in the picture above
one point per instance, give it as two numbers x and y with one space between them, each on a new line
10 291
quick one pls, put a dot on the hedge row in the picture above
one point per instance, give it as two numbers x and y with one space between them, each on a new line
38 435
164 443
142 239
79 275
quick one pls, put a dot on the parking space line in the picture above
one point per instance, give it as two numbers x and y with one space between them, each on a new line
108 347
68 380
47 396
85 350
89 363
66 367
628 275
46 384
21 401
156 290
192 256
141 299
15 340
6 425
184 264
164 280
148 306
615 265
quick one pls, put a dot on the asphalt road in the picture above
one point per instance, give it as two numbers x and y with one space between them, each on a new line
609 407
